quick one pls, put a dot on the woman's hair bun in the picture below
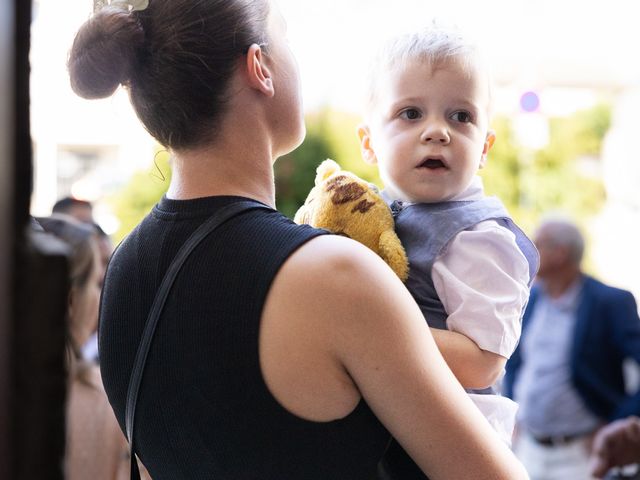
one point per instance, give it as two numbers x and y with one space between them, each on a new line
104 52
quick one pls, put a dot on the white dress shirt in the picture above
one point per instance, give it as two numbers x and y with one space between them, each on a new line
482 280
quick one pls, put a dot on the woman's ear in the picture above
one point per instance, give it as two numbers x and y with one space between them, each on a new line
259 75
368 155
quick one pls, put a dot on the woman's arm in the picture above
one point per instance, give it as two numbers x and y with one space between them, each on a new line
360 331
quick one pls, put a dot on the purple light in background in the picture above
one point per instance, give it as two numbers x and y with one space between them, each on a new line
529 101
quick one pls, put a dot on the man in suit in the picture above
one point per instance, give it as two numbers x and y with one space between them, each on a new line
567 372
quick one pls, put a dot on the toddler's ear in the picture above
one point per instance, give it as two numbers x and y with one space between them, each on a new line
368 155
488 143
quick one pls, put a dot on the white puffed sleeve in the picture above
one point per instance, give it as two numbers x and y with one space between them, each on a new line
482 281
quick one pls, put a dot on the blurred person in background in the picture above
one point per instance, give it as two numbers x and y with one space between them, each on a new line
105 245
74 207
82 210
567 373
96 449
105 249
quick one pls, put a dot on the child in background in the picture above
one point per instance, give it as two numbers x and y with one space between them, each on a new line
96 448
427 129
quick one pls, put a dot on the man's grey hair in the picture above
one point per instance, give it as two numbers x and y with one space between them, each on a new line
562 231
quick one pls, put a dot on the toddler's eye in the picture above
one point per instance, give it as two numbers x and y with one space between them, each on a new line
411 114
461 116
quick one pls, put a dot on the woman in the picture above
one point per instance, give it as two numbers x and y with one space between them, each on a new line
95 446
281 353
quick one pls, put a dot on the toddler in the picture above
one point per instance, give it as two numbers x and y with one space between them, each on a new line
427 130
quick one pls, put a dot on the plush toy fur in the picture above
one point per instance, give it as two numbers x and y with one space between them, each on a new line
344 204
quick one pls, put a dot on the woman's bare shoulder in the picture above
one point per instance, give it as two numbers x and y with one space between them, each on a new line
339 313
336 262
342 289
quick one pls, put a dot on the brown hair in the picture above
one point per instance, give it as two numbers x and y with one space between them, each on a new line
176 57
82 240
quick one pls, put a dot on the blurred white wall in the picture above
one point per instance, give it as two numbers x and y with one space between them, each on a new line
617 228
69 131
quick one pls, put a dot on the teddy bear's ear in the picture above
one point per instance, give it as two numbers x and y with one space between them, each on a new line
325 170
302 215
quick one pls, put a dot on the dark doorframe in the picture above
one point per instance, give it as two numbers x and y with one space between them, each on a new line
7 91
33 282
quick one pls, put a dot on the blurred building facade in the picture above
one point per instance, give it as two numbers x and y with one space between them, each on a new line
83 148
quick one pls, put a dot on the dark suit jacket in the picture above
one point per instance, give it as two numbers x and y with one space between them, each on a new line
607 331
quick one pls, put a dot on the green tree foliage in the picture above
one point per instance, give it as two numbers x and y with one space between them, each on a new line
532 183
339 129
529 183
330 134
140 194
502 172
295 172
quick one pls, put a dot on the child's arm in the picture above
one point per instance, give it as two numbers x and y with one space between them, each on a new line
483 282
472 366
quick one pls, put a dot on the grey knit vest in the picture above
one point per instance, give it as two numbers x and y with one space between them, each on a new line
426 230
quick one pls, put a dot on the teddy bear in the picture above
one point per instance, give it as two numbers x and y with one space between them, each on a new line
344 204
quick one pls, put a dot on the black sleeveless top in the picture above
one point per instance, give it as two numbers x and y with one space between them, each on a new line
204 411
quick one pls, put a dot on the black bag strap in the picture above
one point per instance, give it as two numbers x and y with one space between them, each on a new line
192 242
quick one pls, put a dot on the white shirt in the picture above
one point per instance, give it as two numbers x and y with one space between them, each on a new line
482 280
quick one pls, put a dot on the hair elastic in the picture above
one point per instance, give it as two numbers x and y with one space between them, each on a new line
130 5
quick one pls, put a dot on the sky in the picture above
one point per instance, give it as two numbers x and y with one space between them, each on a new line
528 42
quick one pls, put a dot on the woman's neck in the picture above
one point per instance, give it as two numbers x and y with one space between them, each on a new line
243 168
240 159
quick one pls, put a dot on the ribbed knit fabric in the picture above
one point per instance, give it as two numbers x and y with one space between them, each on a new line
204 411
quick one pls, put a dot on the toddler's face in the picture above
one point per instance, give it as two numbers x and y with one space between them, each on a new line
429 130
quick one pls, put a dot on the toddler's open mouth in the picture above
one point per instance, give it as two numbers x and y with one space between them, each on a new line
432 164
